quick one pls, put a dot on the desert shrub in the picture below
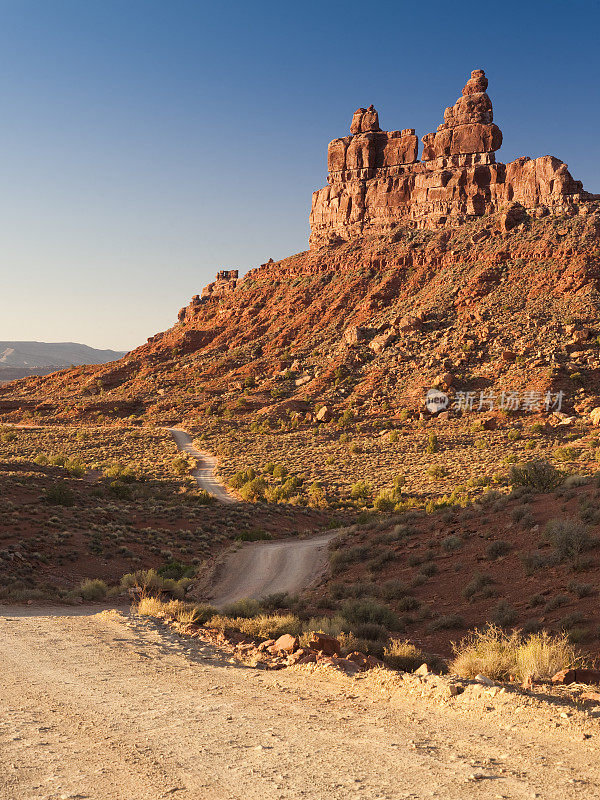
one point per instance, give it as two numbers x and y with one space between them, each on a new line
339 558
332 626
385 501
316 495
452 543
341 591
497 549
580 589
59 495
408 603
437 471
402 654
569 536
499 655
120 472
556 601
181 465
504 614
350 643
370 630
393 590
277 601
542 656
361 490
93 589
535 560
203 498
428 569
253 489
538 475
152 606
432 444
198 614
446 622
514 434
242 477
175 570
121 490
265 626
149 582
242 608
571 620
360 611
565 453
478 582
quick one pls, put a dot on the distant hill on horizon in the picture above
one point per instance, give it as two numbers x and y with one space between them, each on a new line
21 359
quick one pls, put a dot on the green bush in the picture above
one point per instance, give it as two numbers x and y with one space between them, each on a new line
361 491
569 536
538 475
121 473
384 502
246 608
59 495
93 589
432 444
361 611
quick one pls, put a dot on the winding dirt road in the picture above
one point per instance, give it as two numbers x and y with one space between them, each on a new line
258 569
108 706
207 463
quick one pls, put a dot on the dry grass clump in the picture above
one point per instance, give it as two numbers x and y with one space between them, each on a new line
148 581
150 606
542 655
93 589
198 614
404 655
499 655
266 626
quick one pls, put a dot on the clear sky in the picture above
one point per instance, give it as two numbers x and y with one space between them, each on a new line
144 145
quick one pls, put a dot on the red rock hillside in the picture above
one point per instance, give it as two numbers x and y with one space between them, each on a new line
453 271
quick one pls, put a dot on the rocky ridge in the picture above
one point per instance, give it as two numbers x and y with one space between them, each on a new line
375 180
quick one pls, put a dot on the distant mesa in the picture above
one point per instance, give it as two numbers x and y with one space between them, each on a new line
376 181
22 359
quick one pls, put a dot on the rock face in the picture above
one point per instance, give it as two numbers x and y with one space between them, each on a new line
375 181
226 280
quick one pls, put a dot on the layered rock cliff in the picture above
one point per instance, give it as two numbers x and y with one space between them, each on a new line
375 181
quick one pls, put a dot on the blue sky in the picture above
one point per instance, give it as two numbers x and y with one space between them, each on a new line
144 145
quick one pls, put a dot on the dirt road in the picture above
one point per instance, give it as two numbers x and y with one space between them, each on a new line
258 569
205 473
107 707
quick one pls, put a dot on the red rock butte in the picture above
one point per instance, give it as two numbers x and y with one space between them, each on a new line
376 182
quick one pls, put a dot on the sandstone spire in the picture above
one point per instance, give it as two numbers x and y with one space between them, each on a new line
468 125
376 183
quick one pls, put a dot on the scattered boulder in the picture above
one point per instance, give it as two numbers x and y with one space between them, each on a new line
285 644
324 644
380 342
323 414
566 676
595 416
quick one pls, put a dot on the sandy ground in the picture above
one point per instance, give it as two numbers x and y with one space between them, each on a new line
258 569
207 463
106 706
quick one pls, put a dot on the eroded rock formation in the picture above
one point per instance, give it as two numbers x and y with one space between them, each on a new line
375 181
